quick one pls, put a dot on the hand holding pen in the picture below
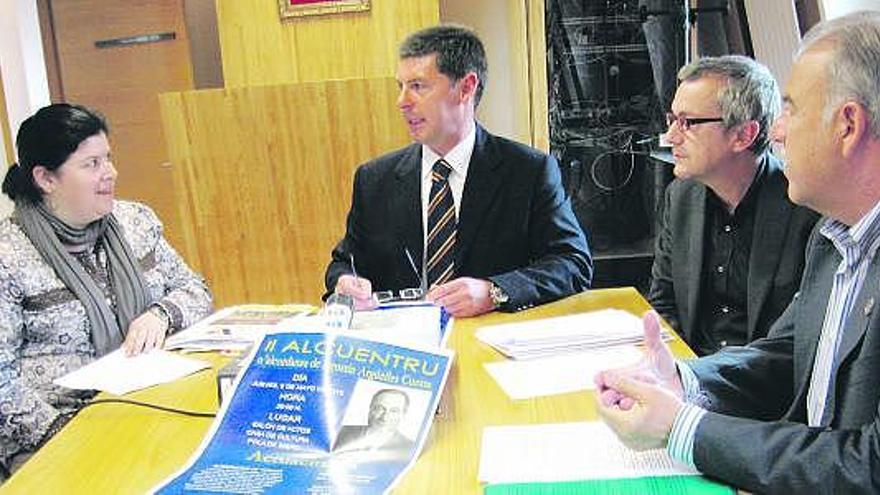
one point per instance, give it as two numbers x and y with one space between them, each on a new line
360 289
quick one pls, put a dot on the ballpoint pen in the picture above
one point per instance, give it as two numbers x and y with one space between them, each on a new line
353 270
412 265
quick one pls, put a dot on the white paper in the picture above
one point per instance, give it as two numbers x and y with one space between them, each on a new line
566 452
558 374
401 325
573 333
118 374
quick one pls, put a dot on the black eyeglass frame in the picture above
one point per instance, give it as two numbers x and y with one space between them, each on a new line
390 296
685 123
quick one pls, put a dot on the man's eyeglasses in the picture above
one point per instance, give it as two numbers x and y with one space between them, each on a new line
404 295
685 123
390 296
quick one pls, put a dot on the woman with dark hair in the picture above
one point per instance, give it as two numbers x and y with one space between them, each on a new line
81 274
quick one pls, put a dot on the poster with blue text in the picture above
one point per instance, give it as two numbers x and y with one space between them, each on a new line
319 413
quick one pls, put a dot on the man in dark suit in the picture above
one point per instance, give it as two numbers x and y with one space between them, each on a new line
796 411
387 409
730 250
500 233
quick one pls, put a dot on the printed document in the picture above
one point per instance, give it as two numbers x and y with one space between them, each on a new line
118 374
566 452
404 324
317 413
558 374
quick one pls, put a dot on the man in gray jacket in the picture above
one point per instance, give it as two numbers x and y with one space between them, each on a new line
730 248
796 411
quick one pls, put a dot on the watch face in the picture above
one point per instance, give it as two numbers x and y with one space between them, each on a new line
497 295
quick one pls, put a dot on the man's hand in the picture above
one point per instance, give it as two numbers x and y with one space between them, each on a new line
657 367
145 333
462 297
646 423
360 289
640 402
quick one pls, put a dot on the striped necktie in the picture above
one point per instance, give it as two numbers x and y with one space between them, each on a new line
440 242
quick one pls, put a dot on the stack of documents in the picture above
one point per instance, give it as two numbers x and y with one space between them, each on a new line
574 333
236 328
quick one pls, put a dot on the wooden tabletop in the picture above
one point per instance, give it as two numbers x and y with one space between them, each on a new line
118 448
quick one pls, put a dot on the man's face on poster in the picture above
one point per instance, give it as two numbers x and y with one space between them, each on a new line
387 409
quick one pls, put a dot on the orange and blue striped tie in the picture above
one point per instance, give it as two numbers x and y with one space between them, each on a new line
440 241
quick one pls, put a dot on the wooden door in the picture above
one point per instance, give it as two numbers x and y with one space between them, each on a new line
116 56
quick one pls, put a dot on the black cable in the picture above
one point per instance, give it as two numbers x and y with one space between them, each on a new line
197 414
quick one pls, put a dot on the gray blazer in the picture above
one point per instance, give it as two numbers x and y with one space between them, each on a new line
776 260
769 379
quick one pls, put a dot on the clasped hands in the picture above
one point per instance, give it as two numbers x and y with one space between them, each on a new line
640 402
461 297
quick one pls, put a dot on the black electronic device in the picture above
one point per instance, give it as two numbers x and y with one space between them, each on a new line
226 375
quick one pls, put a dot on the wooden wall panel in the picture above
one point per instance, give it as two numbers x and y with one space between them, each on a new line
5 131
258 48
264 177
123 82
536 34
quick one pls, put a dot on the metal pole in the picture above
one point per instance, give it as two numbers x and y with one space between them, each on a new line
686 16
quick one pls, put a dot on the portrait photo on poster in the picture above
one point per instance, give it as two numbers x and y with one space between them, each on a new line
381 418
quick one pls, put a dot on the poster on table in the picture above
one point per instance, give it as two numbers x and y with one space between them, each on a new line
319 413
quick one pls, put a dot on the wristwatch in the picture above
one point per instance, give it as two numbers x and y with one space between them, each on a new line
160 312
497 294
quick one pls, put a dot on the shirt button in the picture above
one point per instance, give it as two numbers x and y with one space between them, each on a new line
725 309
719 269
723 343
728 228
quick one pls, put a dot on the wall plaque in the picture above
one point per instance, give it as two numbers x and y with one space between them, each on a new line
301 8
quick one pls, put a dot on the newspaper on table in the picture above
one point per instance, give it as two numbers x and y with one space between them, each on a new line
319 412
236 328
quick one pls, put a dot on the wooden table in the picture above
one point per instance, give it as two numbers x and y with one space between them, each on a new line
112 448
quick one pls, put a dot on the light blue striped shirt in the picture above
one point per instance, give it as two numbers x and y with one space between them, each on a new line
684 428
857 246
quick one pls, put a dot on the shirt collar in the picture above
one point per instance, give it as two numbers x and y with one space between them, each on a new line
751 195
749 199
862 236
459 157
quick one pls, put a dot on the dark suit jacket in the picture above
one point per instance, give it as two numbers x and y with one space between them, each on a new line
515 225
769 379
776 258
